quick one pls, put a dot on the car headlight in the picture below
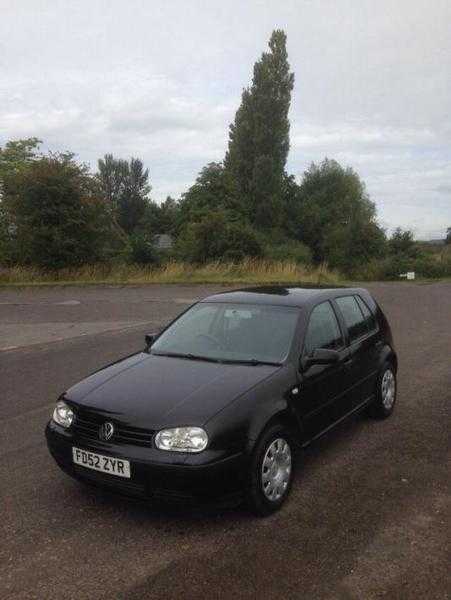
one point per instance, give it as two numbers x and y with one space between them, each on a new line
182 439
63 414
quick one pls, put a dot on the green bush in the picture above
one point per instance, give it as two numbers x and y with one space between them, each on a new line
290 250
428 266
391 267
6 243
240 241
402 243
56 217
142 249
216 238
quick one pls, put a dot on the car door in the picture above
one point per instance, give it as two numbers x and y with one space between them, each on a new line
323 388
362 339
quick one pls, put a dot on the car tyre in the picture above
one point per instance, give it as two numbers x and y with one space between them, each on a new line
271 471
386 389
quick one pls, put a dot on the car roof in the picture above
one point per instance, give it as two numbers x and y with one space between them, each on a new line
283 295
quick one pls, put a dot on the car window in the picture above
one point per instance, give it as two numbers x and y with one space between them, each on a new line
370 319
199 320
353 317
323 330
227 331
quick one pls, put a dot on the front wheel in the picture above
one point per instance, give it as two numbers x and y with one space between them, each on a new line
384 403
271 471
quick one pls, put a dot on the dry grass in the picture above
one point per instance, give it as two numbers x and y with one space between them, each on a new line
249 271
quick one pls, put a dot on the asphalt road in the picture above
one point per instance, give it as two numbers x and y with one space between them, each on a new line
368 516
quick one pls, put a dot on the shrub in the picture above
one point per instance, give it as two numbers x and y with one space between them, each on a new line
239 242
390 268
394 266
56 217
216 238
290 250
429 266
402 243
142 249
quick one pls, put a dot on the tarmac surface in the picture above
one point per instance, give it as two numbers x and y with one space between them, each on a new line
369 512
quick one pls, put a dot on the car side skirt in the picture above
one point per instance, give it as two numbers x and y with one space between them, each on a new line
357 409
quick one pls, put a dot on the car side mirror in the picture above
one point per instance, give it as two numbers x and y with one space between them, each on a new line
320 356
150 338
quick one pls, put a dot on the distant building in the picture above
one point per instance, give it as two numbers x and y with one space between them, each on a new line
163 241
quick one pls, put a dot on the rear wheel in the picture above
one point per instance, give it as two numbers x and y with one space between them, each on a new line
384 403
271 471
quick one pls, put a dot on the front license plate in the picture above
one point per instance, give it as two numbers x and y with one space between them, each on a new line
98 462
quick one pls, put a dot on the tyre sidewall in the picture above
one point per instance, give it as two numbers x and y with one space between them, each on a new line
378 409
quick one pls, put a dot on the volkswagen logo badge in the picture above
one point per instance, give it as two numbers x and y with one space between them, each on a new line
106 431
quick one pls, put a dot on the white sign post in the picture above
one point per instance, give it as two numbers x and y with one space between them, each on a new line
409 275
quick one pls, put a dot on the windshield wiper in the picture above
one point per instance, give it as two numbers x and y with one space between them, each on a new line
250 361
253 362
189 356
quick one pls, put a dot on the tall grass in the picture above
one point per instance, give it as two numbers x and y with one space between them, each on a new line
249 271
428 265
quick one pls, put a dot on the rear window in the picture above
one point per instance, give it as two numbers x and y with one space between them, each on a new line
353 317
370 319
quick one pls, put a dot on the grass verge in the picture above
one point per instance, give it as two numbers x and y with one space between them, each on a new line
250 271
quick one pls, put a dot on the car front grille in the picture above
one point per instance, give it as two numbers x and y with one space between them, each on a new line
87 425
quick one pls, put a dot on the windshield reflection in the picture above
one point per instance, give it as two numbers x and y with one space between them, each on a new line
227 332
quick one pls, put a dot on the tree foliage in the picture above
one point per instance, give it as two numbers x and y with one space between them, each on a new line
16 155
134 199
125 188
54 212
259 136
56 218
215 237
448 236
166 217
210 192
335 216
142 250
401 242
112 175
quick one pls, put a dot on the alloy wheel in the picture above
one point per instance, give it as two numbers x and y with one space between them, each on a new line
388 389
276 469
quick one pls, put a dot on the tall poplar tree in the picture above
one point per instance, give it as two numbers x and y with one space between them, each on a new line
259 136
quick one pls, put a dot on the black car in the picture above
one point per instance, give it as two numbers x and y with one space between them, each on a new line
219 402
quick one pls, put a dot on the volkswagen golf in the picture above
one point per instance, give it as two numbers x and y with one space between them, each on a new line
221 401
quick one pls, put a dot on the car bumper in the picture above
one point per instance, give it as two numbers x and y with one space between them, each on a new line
155 476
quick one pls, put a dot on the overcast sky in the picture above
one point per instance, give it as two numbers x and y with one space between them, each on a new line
162 80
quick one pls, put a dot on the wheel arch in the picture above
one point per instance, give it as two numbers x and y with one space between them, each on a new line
389 355
282 415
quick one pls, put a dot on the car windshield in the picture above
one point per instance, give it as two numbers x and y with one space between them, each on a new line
231 332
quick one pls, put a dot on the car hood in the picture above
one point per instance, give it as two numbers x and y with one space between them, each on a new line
152 391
